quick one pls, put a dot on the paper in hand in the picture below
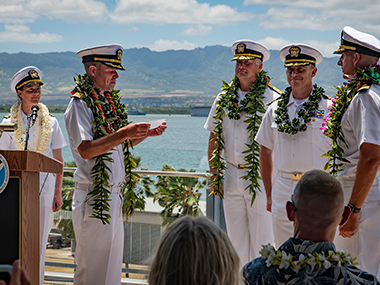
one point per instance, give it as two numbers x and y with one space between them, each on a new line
154 124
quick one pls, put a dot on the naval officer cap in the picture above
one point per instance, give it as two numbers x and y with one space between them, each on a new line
299 55
246 49
26 76
109 55
353 40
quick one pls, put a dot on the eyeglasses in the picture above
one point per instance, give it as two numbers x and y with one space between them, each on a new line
294 204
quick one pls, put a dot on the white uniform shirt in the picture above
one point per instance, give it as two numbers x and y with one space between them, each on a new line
57 141
300 152
360 124
235 131
80 127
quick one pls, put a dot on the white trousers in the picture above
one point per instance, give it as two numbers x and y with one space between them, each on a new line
46 222
99 250
365 244
282 190
248 227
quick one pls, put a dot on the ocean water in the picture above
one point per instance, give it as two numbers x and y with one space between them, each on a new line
182 145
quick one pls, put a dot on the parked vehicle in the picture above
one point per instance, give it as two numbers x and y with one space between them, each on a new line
56 241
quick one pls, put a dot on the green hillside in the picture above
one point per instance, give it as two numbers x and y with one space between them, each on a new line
171 78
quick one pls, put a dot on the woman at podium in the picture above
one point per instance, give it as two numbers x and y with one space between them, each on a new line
37 130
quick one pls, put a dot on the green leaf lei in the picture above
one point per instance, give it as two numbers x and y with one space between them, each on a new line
105 116
308 110
363 79
253 106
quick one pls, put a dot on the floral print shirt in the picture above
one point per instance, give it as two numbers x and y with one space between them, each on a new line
257 272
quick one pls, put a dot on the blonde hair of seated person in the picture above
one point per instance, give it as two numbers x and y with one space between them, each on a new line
195 251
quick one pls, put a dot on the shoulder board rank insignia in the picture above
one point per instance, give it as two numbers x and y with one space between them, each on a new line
271 102
77 95
51 115
275 89
364 88
7 116
327 97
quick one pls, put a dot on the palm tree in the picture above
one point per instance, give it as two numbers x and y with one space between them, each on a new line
179 196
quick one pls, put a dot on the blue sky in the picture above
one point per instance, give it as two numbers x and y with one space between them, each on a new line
39 26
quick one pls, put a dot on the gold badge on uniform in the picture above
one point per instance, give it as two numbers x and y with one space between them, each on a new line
294 51
119 53
33 74
240 48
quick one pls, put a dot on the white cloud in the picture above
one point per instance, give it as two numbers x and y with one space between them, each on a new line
175 12
320 15
274 43
197 30
162 45
77 11
22 33
325 48
15 13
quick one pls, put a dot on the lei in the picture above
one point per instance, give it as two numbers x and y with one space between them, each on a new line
109 115
308 110
331 127
315 260
252 105
42 128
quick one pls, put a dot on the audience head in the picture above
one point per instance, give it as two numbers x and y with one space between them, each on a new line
317 206
194 251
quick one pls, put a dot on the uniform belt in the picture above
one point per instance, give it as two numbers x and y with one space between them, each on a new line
239 166
89 187
293 176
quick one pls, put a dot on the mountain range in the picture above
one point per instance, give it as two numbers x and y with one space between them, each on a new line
170 78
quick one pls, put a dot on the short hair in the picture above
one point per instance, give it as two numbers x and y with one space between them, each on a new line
319 200
195 251
90 63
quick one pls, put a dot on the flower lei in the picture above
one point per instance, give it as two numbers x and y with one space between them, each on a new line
363 78
252 105
42 128
308 110
315 260
109 115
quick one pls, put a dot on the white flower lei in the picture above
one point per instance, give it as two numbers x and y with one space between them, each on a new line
315 260
42 128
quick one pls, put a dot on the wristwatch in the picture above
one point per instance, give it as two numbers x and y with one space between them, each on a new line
353 209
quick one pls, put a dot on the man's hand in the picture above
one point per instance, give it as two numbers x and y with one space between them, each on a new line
135 131
57 201
349 228
157 131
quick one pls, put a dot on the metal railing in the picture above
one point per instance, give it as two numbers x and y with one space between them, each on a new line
213 210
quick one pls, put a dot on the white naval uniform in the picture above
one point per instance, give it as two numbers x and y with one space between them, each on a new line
361 124
248 227
99 251
57 141
291 154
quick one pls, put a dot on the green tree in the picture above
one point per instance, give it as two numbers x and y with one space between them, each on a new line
179 196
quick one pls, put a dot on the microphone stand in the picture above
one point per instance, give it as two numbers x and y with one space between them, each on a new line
31 117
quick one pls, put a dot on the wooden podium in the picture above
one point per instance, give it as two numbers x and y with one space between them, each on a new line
24 167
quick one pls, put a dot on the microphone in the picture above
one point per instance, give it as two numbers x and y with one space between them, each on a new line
35 109
31 117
